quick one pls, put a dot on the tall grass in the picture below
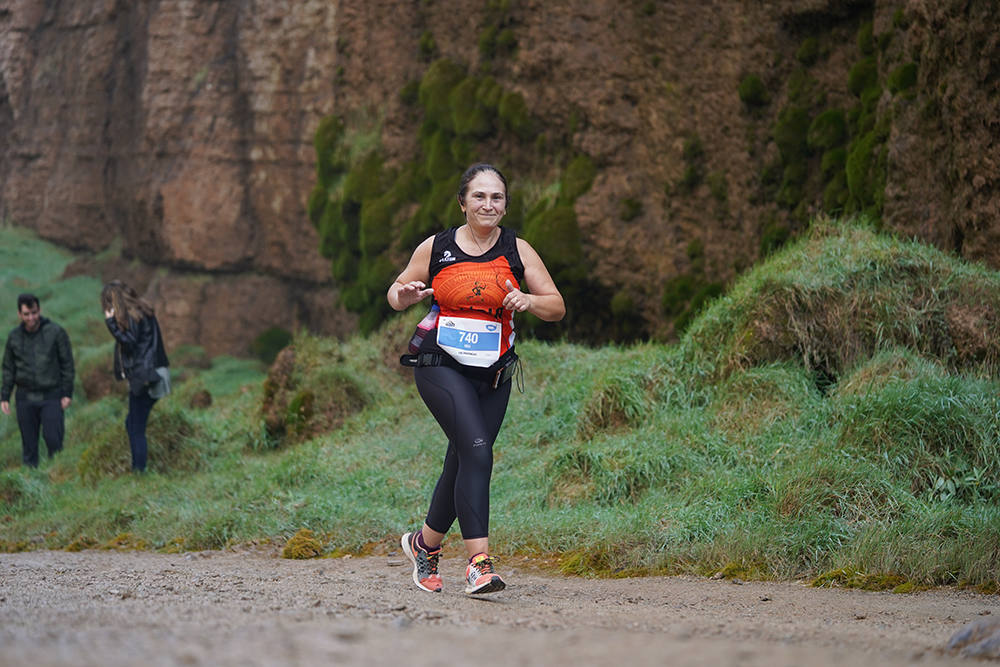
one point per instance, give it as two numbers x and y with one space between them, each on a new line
834 412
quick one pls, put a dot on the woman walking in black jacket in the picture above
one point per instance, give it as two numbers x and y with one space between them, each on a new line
139 358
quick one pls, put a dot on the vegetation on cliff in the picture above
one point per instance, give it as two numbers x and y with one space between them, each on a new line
834 413
831 156
370 215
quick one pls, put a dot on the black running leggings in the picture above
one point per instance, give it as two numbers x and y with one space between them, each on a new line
470 412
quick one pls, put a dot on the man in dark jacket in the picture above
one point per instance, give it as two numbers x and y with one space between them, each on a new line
37 359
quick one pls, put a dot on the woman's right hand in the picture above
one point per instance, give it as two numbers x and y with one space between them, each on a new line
412 292
110 312
411 285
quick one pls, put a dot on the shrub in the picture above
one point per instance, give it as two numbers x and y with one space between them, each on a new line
470 117
409 94
440 164
489 92
488 42
863 76
555 234
791 134
269 343
684 296
365 180
693 154
577 178
427 45
808 52
836 194
828 130
327 141
866 174
718 186
866 38
175 444
318 198
705 292
693 150
376 221
833 162
435 90
752 91
506 42
309 394
677 291
804 90
842 295
774 235
622 304
514 115
902 78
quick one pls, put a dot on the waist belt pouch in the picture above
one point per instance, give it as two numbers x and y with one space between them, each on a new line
506 372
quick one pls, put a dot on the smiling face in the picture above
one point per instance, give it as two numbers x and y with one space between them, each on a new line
30 316
485 201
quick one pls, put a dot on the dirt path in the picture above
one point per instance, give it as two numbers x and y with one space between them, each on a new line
246 608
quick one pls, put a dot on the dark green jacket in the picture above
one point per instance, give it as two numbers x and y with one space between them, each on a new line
40 362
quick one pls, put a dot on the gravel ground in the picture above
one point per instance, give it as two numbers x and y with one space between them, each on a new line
251 607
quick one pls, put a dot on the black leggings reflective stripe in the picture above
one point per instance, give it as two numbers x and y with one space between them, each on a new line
470 412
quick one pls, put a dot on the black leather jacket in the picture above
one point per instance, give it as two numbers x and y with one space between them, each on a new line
139 350
39 362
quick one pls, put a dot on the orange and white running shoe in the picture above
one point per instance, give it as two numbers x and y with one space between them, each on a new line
425 563
481 576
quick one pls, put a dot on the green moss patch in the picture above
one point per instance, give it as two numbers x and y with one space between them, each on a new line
302 545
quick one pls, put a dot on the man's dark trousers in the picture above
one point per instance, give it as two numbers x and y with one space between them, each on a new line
34 415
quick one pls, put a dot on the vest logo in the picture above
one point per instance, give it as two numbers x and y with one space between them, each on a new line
491 327
446 257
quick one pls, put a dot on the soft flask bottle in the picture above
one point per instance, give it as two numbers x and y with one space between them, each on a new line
425 325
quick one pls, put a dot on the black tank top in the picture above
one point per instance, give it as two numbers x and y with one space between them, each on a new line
474 287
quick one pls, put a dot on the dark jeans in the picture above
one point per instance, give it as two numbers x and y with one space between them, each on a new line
139 408
45 416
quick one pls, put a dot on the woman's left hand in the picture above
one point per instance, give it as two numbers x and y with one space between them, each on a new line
516 299
109 313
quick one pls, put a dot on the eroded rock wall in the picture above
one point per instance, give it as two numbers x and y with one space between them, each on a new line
183 130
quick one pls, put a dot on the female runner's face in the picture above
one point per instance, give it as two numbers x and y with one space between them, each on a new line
485 200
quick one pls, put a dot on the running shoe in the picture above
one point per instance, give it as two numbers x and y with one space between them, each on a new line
425 563
481 576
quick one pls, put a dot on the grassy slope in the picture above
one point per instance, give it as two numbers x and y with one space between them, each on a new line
830 414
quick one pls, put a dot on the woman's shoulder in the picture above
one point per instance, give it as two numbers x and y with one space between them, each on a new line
525 250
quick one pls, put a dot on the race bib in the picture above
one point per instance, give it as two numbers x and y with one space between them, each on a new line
468 341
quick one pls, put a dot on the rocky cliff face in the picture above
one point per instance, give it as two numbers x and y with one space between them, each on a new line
180 131
944 151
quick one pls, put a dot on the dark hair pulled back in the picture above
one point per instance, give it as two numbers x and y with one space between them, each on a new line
472 172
